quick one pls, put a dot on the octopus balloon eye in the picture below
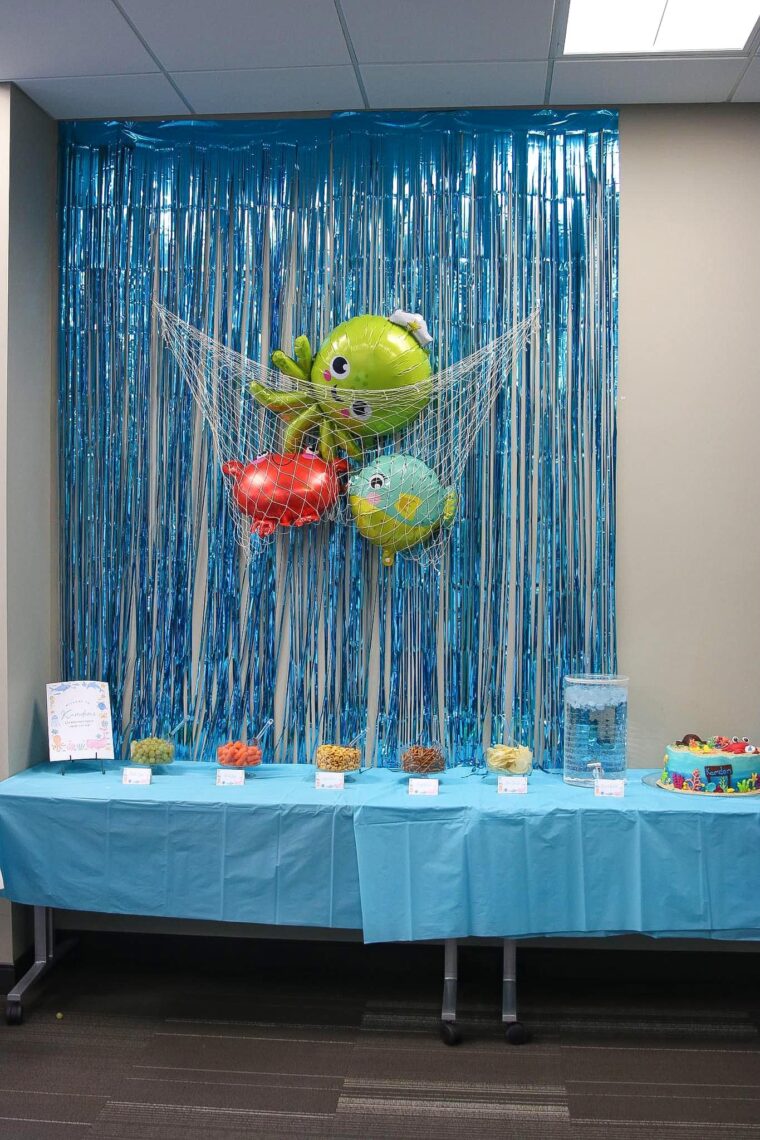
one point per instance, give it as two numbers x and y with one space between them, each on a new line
745 740
378 481
734 739
361 410
340 367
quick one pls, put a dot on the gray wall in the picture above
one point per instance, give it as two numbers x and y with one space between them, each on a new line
28 257
689 413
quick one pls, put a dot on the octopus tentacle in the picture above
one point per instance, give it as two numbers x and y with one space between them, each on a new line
296 432
279 402
304 355
345 440
328 444
289 366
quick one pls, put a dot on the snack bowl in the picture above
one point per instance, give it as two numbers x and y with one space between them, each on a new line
423 760
237 754
338 758
509 760
151 751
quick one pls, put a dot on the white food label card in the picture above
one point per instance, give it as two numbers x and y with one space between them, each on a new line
334 780
79 721
136 776
225 776
609 788
513 785
2 882
423 787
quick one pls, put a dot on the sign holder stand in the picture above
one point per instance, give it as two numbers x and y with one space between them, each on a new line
70 761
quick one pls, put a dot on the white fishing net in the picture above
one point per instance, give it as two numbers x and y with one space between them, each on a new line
361 432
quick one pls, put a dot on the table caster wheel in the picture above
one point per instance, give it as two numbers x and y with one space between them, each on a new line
516 1033
450 1035
14 1013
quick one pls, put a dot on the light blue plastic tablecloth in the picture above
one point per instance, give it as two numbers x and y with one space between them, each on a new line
557 861
273 851
467 862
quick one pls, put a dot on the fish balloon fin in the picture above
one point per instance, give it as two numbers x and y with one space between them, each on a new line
233 469
407 505
450 504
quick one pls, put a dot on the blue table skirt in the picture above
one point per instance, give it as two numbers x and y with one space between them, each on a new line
469 862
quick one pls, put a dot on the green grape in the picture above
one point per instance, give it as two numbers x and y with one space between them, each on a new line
152 750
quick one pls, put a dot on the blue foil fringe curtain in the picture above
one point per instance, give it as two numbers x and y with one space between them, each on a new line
257 231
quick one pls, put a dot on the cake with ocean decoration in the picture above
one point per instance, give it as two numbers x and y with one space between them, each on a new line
718 766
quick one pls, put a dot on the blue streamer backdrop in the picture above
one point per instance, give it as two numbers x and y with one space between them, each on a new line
257 231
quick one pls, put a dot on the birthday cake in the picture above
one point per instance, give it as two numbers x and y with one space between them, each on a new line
719 765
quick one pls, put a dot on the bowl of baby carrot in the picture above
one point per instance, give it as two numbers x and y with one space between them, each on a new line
237 754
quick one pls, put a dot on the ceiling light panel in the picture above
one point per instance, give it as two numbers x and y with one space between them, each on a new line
707 25
644 27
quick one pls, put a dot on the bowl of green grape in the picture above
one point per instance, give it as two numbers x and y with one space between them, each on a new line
152 751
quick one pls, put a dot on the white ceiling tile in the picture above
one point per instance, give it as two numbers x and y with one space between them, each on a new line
67 37
105 96
270 89
454 85
748 90
397 31
644 80
214 35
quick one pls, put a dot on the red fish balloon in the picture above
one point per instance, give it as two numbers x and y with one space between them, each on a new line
285 490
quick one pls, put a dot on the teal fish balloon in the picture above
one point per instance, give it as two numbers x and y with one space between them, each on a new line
398 502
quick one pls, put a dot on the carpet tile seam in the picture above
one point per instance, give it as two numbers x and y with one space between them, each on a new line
47 1092
42 1120
663 1084
481 1086
211 1110
618 1121
675 1096
471 1050
242 1037
233 1084
627 1048
241 1072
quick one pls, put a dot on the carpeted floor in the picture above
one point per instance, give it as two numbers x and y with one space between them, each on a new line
175 1039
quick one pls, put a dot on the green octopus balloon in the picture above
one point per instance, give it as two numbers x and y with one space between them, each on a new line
369 378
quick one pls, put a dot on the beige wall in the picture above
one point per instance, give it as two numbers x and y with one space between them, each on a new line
689 423
28 256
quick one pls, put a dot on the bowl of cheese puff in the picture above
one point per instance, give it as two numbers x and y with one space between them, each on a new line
338 758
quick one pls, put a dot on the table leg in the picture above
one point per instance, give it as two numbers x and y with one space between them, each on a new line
46 954
449 1032
514 1030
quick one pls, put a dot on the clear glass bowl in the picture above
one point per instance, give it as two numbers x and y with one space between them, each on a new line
509 760
423 759
152 751
338 758
236 754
